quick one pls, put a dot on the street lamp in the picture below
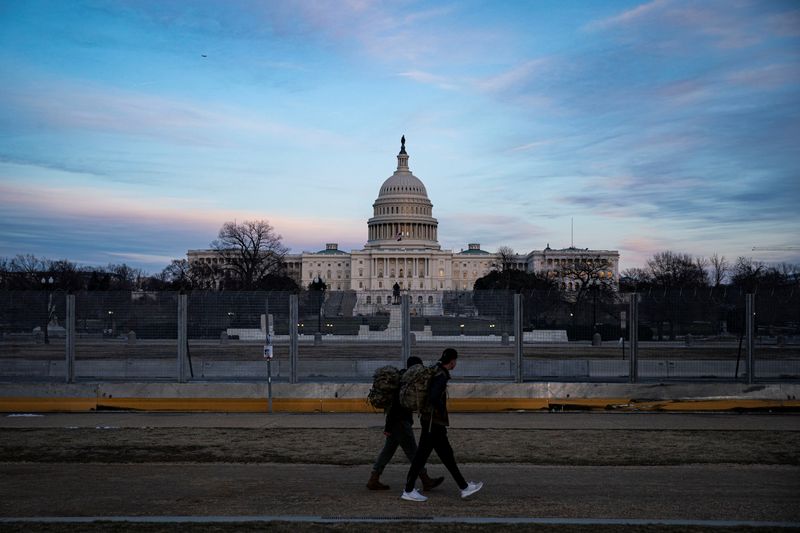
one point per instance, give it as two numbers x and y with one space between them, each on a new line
48 285
594 285
110 323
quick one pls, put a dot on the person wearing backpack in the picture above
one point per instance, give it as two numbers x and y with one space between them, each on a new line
399 432
434 420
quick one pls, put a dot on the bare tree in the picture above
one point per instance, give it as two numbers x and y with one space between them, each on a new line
635 279
66 274
719 269
178 274
588 277
124 277
250 251
505 260
28 264
676 270
747 273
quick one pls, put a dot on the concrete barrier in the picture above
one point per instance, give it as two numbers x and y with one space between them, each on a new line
351 397
362 370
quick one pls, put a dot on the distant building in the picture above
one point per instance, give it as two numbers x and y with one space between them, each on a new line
402 247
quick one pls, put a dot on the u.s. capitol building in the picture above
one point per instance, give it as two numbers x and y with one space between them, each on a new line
403 248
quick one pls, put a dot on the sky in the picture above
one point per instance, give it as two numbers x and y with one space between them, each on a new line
131 131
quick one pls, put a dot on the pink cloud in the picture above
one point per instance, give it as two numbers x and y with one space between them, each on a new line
171 214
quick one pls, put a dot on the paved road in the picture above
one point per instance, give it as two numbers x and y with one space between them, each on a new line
695 492
526 420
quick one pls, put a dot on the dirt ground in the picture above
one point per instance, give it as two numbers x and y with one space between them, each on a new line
356 446
109 453
395 527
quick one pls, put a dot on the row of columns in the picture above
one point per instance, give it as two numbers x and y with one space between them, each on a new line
419 267
425 232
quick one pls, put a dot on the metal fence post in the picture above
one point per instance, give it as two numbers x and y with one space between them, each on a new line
633 337
182 337
269 331
293 339
405 329
70 366
750 309
518 337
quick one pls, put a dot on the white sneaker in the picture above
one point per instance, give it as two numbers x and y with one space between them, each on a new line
472 488
414 496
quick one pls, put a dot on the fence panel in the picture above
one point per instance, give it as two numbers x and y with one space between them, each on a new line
125 335
777 335
227 334
692 335
342 334
575 335
32 335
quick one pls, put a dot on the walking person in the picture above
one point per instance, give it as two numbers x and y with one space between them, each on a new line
434 434
399 432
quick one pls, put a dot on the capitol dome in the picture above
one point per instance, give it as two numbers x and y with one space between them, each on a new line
402 213
403 182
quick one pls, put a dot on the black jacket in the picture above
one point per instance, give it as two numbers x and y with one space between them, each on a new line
437 398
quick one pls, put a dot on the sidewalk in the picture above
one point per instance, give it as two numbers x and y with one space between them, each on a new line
510 420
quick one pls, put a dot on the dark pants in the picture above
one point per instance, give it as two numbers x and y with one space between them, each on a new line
402 435
434 437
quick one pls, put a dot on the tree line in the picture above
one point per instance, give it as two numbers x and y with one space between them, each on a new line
671 270
251 256
664 270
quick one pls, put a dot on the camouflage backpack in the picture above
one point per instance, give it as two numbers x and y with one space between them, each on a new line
385 383
414 386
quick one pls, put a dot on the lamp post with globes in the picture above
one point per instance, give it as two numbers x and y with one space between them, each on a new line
595 286
47 284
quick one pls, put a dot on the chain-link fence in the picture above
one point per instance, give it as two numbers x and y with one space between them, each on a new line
720 334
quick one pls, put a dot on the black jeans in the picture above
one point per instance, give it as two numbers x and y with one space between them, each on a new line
434 437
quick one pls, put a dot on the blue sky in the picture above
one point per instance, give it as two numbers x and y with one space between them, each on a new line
130 131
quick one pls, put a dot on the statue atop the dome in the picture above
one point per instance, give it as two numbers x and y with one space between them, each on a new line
403 144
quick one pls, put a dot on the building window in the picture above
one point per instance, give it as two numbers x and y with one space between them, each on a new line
369 300
430 299
360 284
377 299
360 272
380 284
419 299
